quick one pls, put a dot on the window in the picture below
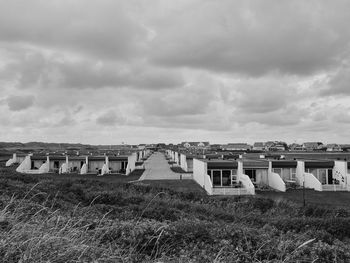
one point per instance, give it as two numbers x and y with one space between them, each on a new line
322 176
293 173
251 173
216 178
226 177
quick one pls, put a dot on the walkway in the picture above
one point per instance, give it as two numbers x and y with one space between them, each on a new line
157 168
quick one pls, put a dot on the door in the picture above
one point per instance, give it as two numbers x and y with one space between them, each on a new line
330 176
251 173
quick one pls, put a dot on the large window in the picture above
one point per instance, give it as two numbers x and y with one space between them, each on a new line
325 176
251 173
217 178
225 178
287 174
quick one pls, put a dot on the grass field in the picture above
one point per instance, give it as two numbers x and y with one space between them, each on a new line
185 186
54 218
323 199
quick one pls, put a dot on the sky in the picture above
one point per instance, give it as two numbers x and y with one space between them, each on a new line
140 71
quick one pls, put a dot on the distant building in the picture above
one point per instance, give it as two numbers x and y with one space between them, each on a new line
259 146
312 146
268 145
296 147
345 147
333 148
237 147
215 147
197 145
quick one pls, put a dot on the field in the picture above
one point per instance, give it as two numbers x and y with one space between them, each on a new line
53 218
336 200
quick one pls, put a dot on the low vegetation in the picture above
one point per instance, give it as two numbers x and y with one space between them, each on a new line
52 218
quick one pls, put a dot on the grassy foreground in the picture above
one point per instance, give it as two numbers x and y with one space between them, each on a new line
73 219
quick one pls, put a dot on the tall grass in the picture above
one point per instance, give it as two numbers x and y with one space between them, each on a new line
62 219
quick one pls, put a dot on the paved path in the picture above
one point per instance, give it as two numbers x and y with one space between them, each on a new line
157 168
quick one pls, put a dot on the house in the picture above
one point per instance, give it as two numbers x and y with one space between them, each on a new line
198 145
17 158
37 164
258 146
237 147
34 164
345 147
324 175
269 144
278 147
333 148
186 162
222 177
256 170
312 146
296 147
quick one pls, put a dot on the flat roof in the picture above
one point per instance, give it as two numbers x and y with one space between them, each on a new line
255 163
221 164
284 164
118 158
38 157
319 164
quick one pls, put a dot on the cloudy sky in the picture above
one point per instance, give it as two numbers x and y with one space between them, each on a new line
140 71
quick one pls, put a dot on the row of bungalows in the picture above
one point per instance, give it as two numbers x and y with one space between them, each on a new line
244 174
103 164
17 158
184 160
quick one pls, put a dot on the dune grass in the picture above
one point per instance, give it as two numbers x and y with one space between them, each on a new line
66 219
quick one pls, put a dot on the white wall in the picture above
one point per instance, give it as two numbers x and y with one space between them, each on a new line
25 165
183 162
247 183
275 181
131 163
189 165
299 177
312 182
176 157
45 167
200 175
340 171
11 161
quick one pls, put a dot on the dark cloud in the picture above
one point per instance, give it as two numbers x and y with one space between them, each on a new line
18 103
110 118
34 68
243 68
101 29
296 37
287 116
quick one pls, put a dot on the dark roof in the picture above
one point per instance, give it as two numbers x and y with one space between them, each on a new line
76 158
57 157
117 158
97 158
38 158
222 164
284 164
138 163
319 164
250 163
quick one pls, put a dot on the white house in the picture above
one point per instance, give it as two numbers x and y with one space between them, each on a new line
219 177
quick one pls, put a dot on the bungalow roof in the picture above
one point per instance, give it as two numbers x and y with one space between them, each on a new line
251 163
221 164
